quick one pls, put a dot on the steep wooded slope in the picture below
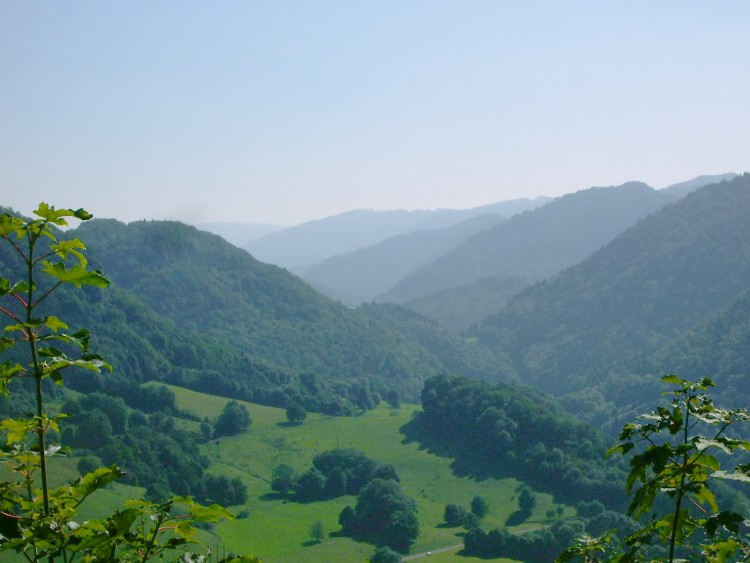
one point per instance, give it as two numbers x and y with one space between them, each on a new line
460 307
208 287
719 347
360 276
662 277
457 354
538 243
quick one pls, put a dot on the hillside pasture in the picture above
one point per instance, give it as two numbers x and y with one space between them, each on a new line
278 529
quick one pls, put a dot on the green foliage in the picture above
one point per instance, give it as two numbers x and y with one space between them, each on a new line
383 514
283 478
479 506
385 555
295 412
46 525
678 450
454 514
508 430
334 473
317 532
527 500
234 419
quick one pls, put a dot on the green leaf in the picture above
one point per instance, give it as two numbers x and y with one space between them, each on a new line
67 247
56 216
77 275
96 480
16 429
121 521
185 530
54 324
50 353
623 449
673 379
212 513
10 224
705 496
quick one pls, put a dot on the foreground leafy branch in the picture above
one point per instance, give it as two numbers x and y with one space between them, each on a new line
681 448
43 522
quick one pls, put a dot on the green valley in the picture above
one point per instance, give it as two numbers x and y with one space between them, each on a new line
277 529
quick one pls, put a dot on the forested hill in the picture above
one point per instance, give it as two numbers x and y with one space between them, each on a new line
718 347
220 294
538 243
658 279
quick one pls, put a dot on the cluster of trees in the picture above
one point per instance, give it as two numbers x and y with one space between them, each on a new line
153 451
334 473
544 545
383 514
519 432
234 418
456 515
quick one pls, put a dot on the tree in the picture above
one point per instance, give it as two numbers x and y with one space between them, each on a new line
295 412
317 532
283 478
394 398
670 482
336 483
454 514
310 485
234 418
479 506
383 514
526 500
45 525
385 555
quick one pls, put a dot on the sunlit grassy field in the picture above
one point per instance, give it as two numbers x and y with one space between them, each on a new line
279 530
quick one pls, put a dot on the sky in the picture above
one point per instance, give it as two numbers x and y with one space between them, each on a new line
282 111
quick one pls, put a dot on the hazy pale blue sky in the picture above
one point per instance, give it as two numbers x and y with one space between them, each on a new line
285 111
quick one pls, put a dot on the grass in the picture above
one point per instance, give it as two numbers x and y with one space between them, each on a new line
279 530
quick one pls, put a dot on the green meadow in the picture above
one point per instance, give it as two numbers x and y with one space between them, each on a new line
276 529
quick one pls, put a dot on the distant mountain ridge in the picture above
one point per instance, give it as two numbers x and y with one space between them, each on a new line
239 234
684 188
362 275
536 243
300 247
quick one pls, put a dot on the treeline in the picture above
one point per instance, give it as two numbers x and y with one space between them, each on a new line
517 431
544 545
158 350
152 450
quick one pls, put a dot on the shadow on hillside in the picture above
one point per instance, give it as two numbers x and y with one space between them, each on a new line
517 518
310 543
465 464
288 424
